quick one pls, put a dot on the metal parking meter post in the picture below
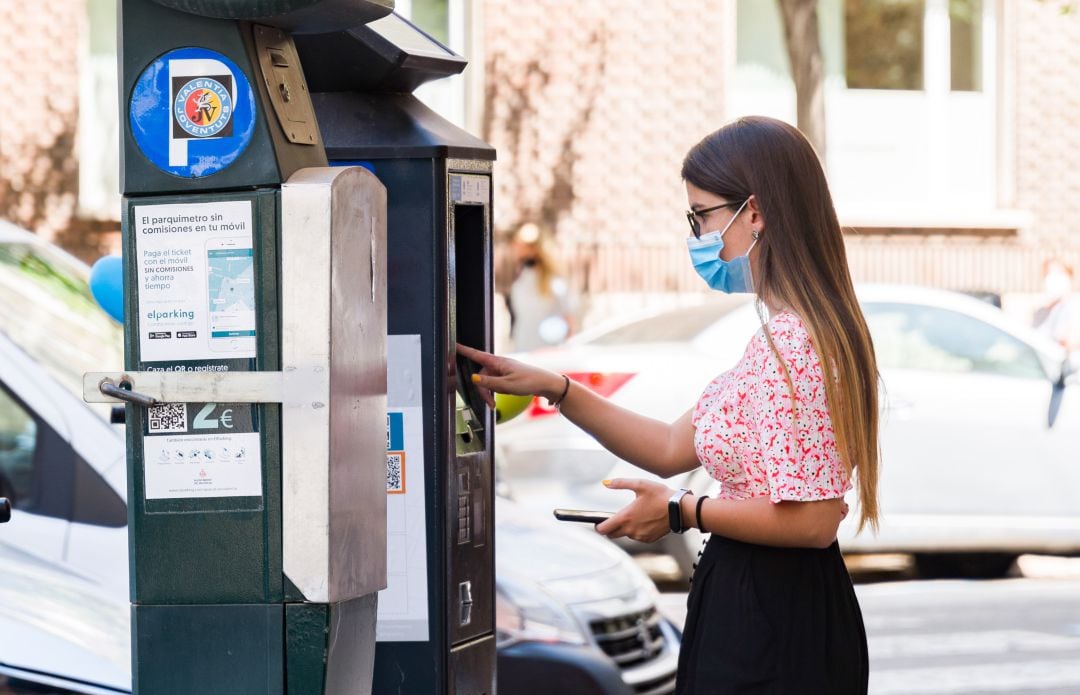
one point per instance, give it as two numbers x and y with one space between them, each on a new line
256 508
436 620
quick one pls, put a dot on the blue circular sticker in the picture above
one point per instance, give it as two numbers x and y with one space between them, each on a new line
192 112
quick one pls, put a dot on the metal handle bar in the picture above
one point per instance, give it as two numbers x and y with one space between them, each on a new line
126 394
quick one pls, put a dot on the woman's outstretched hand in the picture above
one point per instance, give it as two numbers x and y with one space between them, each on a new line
646 518
504 375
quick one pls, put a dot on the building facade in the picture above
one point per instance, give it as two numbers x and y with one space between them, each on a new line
952 126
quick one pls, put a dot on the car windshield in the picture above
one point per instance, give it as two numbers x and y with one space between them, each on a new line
47 310
678 326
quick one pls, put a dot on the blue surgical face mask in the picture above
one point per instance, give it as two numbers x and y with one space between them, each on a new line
726 276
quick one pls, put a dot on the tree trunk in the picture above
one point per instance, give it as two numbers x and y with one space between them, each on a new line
807 68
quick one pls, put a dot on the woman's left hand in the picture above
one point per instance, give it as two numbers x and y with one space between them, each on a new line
646 518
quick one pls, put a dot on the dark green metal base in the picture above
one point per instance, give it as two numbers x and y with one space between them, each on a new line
254 649
211 650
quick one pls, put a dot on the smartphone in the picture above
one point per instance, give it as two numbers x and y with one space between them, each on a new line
231 296
589 517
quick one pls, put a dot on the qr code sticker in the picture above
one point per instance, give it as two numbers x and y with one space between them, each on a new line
168 417
395 472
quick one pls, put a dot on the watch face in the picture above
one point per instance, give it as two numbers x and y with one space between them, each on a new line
675 511
674 517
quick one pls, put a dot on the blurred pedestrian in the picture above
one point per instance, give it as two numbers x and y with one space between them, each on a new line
541 308
771 607
1059 315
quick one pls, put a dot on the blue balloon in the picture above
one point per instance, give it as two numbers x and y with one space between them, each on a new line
107 285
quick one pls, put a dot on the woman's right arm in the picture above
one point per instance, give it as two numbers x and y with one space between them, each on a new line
657 447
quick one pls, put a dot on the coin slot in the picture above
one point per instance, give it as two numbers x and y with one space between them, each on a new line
277 58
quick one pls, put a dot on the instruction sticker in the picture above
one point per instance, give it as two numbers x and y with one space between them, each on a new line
192 112
395 453
403 607
196 281
201 450
470 189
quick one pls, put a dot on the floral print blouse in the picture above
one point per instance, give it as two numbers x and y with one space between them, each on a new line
747 435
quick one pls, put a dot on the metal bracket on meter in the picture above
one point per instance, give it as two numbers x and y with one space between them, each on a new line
332 385
151 388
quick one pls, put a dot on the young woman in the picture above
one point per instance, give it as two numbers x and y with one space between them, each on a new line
771 606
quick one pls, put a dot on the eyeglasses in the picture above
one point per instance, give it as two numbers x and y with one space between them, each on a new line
694 216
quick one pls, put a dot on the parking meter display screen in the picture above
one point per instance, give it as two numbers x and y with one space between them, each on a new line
407 37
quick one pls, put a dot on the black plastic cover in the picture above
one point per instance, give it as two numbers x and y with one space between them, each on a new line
298 16
389 55
390 126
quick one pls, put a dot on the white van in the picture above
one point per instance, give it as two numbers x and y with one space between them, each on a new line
572 608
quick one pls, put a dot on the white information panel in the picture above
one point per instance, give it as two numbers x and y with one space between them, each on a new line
213 465
196 290
196 281
403 605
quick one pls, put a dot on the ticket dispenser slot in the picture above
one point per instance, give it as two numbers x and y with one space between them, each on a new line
470 489
469 276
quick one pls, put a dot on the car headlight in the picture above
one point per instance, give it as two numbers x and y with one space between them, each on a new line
524 613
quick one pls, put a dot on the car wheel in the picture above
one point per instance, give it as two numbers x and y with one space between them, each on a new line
964 565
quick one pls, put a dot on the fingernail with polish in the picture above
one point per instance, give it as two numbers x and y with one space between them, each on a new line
476 378
606 482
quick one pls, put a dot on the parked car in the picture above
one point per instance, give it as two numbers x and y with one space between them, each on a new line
980 425
575 614
572 609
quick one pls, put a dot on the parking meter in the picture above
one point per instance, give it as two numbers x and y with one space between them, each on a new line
436 619
255 341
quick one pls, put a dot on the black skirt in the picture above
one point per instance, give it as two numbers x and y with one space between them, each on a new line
772 621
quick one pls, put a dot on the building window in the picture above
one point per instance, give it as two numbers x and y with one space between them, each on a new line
883 44
896 44
99 130
433 16
445 21
965 45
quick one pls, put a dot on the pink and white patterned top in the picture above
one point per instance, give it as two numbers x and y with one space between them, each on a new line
746 436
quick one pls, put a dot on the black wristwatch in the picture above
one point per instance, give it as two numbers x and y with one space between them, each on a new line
674 512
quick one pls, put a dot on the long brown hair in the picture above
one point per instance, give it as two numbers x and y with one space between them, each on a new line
802 264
